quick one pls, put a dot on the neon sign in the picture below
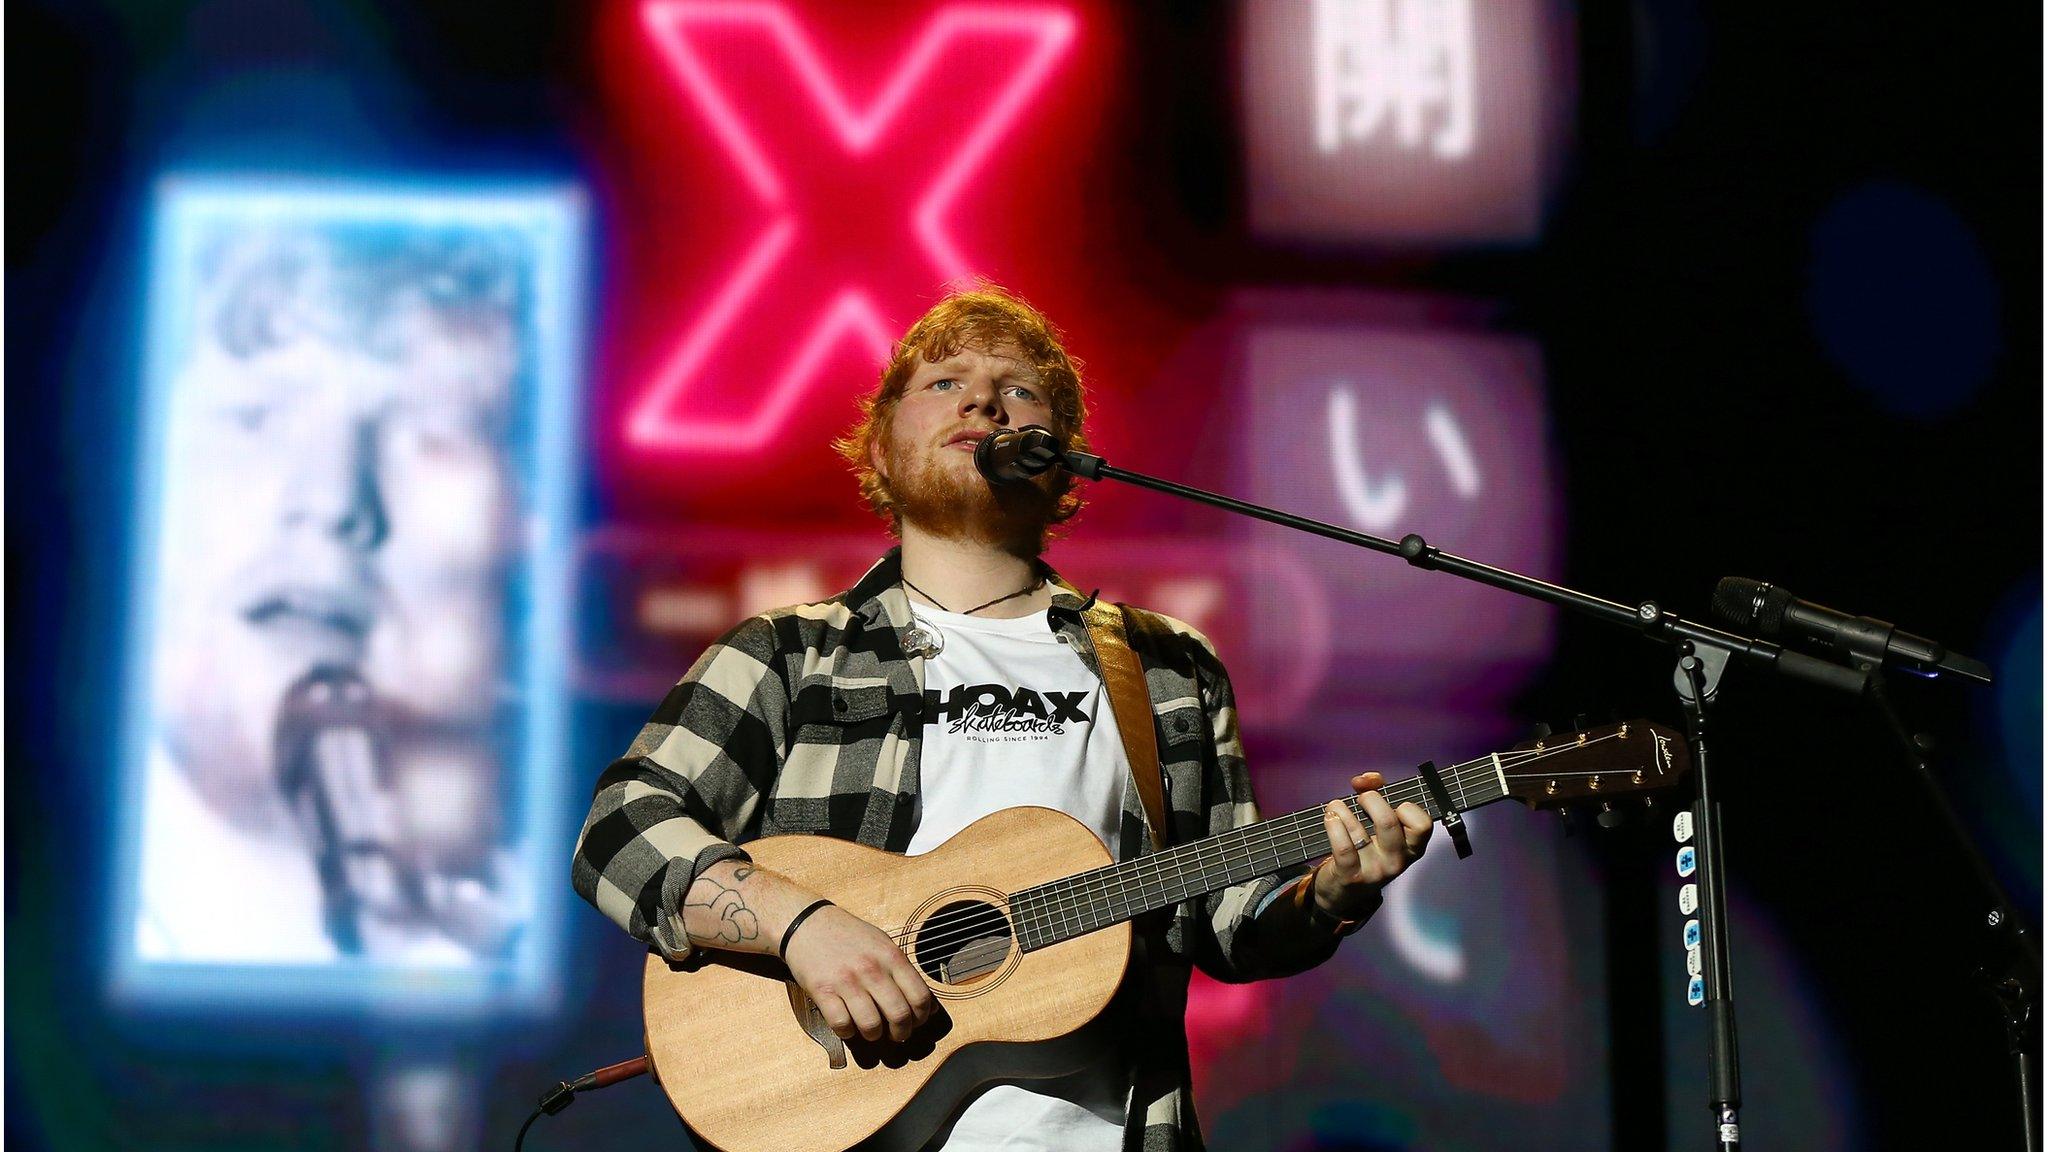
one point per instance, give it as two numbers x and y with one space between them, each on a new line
1404 122
1395 62
826 253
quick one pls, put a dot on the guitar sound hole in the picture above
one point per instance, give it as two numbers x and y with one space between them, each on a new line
963 942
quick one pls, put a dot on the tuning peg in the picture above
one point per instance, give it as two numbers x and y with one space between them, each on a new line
1571 825
1579 723
1611 817
1541 731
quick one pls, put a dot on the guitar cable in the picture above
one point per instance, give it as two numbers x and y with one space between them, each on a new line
564 1094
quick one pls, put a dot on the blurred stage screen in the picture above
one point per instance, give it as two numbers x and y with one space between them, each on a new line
347 712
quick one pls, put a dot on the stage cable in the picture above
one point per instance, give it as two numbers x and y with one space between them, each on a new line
564 1094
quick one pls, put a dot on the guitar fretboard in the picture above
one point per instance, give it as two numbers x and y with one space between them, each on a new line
1077 905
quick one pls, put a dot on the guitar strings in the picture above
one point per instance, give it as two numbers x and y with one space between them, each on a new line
1052 906
1059 895
1056 903
1061 903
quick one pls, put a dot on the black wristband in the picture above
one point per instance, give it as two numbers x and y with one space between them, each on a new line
796 922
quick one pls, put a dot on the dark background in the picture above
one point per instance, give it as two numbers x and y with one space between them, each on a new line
1789 296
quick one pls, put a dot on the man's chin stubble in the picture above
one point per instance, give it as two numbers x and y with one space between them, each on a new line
1013 519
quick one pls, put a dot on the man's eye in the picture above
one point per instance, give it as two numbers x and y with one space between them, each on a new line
943 384
1025 393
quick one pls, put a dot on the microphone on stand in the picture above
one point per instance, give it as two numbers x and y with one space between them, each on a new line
330 768
1772 611
1018 454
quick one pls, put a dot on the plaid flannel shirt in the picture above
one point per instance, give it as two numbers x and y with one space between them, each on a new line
807 720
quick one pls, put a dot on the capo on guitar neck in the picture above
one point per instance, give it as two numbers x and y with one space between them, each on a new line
1453 822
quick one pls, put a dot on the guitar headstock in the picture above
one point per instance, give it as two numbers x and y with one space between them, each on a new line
1595 764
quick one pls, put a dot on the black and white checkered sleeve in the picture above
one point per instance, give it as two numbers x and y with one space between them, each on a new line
686 788
1233 951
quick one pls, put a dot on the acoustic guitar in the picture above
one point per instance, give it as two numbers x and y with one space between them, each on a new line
1021 925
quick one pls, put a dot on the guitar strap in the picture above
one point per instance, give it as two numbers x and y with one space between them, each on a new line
1132 703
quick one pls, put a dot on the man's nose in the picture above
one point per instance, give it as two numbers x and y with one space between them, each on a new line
983 398
334 490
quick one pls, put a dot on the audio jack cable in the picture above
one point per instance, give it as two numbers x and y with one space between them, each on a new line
564 1094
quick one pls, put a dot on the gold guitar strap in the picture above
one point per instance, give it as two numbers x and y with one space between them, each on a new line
1131 701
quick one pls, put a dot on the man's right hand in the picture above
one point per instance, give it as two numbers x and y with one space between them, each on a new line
859 979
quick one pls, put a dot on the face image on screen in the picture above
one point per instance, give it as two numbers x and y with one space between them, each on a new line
350 490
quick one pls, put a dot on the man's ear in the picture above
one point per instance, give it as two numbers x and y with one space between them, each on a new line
875 457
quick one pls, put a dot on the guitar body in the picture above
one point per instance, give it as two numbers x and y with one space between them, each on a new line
748 1063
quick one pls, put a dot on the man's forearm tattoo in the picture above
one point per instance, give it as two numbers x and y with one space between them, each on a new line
737 923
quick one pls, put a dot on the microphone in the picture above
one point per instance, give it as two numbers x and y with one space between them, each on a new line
330 765
1018 454
1772 611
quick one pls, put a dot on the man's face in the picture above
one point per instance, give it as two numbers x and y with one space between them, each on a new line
928 455
325 507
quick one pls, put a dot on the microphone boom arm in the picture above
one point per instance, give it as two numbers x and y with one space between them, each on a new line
1646 619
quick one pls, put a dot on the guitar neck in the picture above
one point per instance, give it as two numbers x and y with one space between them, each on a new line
1076 905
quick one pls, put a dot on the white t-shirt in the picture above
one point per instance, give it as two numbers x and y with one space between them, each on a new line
1020 720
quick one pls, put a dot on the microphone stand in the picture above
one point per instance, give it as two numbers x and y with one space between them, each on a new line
2012 977
1702 654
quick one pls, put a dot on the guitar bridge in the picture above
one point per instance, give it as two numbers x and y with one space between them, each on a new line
812 1021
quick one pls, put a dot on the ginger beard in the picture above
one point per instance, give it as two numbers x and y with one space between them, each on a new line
937 488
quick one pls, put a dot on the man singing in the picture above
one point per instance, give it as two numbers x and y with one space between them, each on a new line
966 617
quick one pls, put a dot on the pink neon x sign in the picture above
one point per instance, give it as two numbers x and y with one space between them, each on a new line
831 177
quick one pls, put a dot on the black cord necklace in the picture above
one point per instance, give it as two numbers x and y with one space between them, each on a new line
924 641
1024 591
